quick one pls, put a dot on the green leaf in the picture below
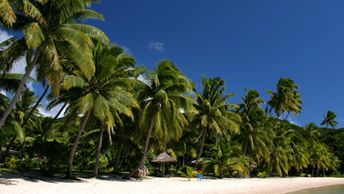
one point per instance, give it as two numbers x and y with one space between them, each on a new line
72 81
7 13
33 35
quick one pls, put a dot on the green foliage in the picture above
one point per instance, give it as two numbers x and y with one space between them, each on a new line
330 119
11 163
187 171
227 159
262 174
287 98
213 116
162 100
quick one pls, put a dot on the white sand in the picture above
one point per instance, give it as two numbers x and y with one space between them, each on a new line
164 185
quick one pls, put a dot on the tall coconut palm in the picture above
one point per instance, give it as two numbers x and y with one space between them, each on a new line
164 99
52 34
286 99
254 136
103 96
213 112
330 119
281 152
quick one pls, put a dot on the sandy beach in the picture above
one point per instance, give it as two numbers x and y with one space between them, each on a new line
163 185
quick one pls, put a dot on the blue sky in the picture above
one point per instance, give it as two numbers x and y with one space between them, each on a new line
250 44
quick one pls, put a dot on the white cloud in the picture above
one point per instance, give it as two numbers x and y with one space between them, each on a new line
4 35
144 79
52 112
156 46
293 120
20 65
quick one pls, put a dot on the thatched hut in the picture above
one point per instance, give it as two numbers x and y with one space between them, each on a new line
164 158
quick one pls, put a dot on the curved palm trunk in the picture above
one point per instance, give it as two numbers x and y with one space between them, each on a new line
202 145
142 161
60 111
10 145
286 117
99 148
36 104
75 146
19 89
56 116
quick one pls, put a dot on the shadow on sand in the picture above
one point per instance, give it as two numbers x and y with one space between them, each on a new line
9 178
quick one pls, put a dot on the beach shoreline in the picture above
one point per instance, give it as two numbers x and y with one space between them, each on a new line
152 185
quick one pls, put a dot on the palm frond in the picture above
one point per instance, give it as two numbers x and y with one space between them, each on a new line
33 35
6 13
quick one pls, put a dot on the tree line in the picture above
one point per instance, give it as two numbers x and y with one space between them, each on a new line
118 116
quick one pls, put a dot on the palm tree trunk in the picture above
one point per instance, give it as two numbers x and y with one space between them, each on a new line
75 146
96 168
60 111
142 162
9 146
118 157
19 89
56 116
245 149
36 105
202 145
221 172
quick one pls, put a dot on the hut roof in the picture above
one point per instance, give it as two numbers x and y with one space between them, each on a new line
164 158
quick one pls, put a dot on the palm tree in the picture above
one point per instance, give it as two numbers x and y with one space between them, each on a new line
321 158
23 106
103 96
254 136
330 119
286 99
227 158
302 139
52 35
213 112
281 151
301 156
164 100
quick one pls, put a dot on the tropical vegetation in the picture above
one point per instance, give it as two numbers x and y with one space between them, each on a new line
115 117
